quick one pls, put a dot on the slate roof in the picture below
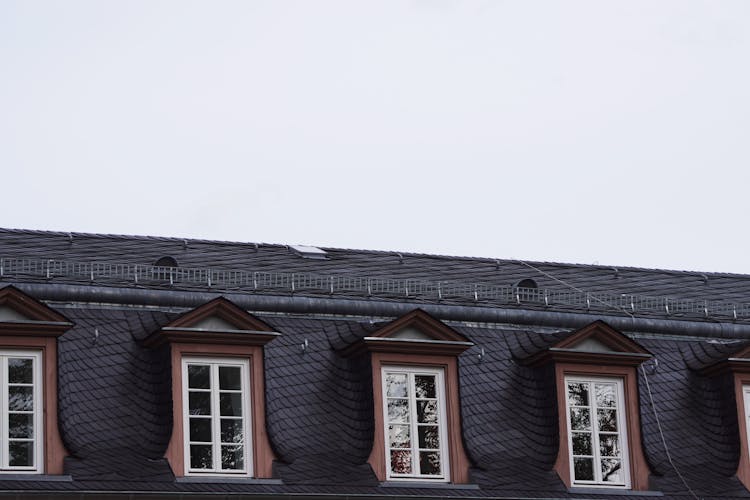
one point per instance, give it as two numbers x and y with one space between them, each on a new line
115 401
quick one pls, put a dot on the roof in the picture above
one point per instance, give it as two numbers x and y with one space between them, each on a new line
115 403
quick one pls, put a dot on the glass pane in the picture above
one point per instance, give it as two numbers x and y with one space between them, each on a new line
424 386
609 445
20 371
580 419
398 410
232 457
229 378
401 462
584 469
20 398
199 403
428 437
231 430
230 404
398 436
582 443
607 420
20 454
200 429
605 394
429 463
396 385
200 456
427 412
199 377
612 471
578 394
21 425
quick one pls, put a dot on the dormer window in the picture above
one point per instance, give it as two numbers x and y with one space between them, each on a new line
218 392
29 438
415 391
597 394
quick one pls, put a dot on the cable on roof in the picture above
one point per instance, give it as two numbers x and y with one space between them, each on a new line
661 434
588 295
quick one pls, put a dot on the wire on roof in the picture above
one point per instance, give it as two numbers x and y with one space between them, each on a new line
588 295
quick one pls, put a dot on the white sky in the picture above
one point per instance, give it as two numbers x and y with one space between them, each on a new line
615 132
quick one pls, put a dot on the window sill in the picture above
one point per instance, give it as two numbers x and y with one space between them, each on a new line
582 490
36 477
226 480
428 484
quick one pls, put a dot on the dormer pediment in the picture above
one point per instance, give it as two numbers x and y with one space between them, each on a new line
219 321
596 342
21 314
416 332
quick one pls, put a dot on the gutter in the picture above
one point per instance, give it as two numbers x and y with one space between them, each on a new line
377 307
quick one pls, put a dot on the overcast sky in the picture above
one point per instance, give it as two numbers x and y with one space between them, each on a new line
611 132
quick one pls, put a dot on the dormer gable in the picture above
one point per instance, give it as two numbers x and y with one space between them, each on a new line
219 321
596 342
21 314
416 332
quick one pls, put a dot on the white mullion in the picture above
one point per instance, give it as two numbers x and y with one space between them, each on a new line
215 433
595 431
413 424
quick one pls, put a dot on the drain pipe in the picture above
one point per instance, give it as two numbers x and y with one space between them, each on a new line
374 307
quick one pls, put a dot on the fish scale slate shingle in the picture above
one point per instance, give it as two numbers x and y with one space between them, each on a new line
115 408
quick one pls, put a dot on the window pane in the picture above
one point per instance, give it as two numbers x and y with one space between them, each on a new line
607 420
20 398
580 419
199 377
20 371
427 412
612 471
21 425
20 453
398 436
578 394
396 385
199 403
609 445
584 469
200 429
231 430
582 443
429 437
424 386
398 410
200 456
401 462
230 404
429 463
605 394
232 457
229 378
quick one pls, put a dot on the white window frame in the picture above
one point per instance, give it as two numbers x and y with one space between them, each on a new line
746 402
215 363
38 413
621 426
411 371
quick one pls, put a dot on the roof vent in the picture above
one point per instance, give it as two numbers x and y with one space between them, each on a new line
308 252
166 262
526 283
